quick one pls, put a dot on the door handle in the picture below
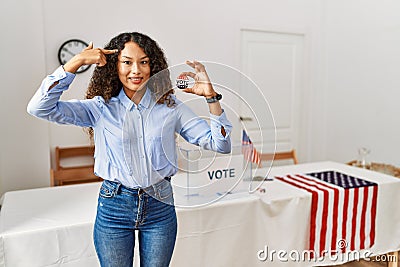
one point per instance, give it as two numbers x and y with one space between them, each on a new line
245 118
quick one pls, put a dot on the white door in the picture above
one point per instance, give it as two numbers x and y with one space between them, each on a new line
274 62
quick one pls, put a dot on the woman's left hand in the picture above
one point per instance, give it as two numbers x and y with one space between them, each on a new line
202 85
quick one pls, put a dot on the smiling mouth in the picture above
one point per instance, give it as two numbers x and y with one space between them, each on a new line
136 80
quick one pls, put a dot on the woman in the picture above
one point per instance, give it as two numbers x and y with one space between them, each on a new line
133 116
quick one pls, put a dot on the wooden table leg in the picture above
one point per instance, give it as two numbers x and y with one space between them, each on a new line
393 258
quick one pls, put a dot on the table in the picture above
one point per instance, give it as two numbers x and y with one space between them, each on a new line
53 226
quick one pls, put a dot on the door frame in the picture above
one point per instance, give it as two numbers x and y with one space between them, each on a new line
305 136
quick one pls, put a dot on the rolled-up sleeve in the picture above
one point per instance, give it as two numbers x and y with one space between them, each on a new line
197 131
46 104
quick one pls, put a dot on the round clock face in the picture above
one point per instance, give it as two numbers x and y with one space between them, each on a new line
69 49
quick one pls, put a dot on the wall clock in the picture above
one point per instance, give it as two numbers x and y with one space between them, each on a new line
69 49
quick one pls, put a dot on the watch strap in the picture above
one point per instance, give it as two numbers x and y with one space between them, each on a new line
214 98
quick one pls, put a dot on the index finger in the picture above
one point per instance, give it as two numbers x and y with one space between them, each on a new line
108 51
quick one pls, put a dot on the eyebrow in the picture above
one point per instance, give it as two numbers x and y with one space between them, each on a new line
132 58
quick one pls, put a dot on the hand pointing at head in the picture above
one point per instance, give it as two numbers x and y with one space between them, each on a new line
88 56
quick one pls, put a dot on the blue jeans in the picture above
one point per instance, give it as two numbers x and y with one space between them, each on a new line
121 211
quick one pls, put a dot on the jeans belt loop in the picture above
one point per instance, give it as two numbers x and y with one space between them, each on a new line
117 189
155 187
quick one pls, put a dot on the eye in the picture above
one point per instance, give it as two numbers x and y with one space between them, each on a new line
127 62
144 62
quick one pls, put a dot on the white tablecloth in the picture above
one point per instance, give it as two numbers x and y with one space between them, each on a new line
53 226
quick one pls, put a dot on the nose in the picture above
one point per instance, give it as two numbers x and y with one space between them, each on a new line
135 68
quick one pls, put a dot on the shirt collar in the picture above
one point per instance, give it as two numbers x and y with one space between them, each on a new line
128 104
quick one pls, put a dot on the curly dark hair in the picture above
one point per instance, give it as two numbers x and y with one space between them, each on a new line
105 81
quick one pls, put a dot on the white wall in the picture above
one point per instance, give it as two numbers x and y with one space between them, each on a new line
185 29
24 147
363 81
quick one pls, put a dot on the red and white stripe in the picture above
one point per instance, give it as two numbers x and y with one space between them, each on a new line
251 154
338 216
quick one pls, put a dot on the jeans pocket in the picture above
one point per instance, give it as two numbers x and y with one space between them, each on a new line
164 190
107 190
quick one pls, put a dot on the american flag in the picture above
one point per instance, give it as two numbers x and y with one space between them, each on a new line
343 211
248 149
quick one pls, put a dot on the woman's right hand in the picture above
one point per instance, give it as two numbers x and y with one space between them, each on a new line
88 56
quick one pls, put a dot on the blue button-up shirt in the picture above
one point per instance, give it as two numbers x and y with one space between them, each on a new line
134 144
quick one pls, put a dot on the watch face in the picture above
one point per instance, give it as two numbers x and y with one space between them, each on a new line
69 49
